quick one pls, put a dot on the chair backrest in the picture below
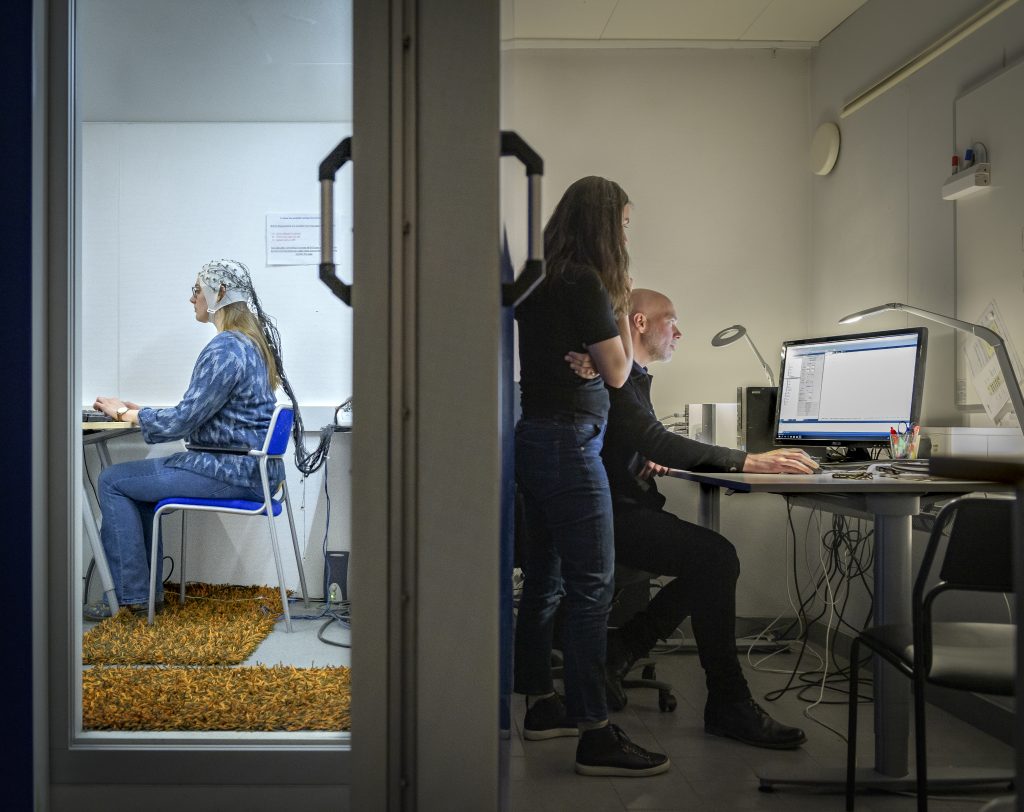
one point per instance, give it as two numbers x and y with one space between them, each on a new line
280 428
979 551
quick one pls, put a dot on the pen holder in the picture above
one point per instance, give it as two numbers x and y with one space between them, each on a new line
904 446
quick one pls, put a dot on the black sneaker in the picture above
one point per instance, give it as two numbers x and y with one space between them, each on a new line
608 751
748 722
546 719
618 662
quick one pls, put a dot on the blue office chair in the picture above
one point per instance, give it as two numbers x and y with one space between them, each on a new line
274 447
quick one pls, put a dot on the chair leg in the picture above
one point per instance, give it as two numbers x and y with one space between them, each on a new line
280 571
181 575
154 560
295 543
920 744
851 727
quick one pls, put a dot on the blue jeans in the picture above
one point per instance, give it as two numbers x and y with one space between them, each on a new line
569 558
128 493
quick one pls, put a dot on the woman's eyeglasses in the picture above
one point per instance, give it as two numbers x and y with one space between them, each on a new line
196 290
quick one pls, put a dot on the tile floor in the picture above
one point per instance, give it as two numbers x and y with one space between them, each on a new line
302 647
711 774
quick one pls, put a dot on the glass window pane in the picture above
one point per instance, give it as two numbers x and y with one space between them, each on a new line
200 125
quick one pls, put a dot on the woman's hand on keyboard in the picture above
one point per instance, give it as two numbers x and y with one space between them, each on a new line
780 461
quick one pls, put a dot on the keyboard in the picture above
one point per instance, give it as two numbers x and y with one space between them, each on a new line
94 416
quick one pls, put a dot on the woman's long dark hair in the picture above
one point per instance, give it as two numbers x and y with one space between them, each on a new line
586 230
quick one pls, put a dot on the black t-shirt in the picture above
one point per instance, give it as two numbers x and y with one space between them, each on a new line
570 312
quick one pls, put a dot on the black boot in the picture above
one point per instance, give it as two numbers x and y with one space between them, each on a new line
546 719
748 722
618 662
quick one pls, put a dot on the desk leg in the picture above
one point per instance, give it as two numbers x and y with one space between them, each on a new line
102 569
93 532
104 455
893 585
708 508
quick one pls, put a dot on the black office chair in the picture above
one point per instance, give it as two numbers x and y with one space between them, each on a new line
633 593
961 655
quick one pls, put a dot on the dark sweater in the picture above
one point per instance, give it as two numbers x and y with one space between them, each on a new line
635 435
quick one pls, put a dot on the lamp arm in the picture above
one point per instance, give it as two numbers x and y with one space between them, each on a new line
966 326
764 366
991 338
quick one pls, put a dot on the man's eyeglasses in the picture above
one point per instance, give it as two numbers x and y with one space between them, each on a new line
196 290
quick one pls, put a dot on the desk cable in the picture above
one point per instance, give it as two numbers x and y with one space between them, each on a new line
845 554
335 611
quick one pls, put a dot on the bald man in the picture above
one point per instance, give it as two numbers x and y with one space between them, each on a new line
703 564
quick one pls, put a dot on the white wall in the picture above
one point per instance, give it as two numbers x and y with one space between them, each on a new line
711 146
158 200
880 230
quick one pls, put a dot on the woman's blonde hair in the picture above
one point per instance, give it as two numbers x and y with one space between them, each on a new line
586 229
238 317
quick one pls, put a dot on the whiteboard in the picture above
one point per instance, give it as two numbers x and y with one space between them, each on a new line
158 200
990 223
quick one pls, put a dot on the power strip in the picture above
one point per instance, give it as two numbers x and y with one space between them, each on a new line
743 644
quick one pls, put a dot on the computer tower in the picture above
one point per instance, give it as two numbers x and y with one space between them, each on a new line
757 417
714 423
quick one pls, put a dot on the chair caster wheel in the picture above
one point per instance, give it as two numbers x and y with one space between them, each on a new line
666 702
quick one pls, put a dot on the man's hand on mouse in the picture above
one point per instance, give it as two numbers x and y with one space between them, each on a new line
780 461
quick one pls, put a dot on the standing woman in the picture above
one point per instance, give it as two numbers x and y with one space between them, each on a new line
229 403
569 555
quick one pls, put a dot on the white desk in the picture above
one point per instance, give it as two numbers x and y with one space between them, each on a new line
97 433
891 504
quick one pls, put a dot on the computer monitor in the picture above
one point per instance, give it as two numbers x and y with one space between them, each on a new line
850 390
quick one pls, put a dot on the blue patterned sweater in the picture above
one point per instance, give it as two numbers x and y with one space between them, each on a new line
228 403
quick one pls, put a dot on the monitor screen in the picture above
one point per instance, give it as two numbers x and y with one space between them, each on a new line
850 390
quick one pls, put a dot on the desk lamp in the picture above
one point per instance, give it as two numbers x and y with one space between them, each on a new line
735 333
990 337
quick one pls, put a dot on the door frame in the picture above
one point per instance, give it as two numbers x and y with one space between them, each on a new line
425 596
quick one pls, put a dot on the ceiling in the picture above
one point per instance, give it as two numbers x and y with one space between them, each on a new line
781 23
214 60
290 60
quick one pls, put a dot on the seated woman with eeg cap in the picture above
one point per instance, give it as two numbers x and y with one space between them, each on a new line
228 404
